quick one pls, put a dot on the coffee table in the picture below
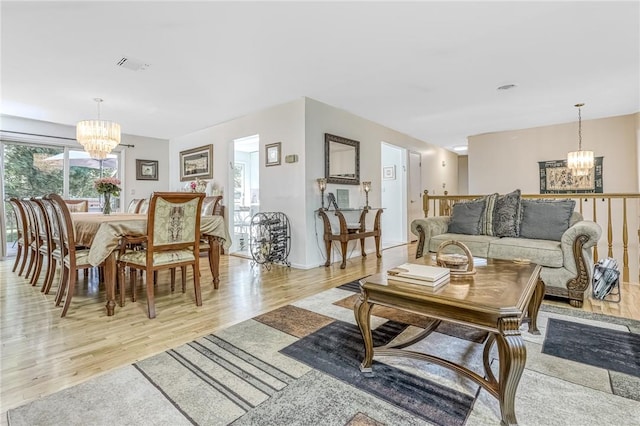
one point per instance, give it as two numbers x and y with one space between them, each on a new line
498 298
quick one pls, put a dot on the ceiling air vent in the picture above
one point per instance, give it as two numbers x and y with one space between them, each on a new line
132 64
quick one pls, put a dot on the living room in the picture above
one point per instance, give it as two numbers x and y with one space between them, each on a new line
502 156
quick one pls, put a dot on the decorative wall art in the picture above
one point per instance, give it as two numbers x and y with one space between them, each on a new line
146 170
389 172
556 178
196 163
273 154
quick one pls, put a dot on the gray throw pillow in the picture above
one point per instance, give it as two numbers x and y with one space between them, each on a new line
465 218
506 215
546 219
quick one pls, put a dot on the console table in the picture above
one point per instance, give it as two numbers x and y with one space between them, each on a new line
350 231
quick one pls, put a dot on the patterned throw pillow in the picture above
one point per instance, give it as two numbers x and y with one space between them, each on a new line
546 219
465 218
486 221
506 215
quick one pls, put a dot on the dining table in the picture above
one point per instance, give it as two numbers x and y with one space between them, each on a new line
102 234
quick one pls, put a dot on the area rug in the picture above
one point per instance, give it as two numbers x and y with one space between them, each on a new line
298 365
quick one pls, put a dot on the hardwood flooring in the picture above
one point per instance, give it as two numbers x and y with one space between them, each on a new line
42 353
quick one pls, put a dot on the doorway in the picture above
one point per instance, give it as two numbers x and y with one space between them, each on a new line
245 178
393 186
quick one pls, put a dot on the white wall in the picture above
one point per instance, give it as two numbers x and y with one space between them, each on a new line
282 188
392 192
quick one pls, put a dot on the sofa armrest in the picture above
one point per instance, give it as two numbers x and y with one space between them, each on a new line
426 228
576 244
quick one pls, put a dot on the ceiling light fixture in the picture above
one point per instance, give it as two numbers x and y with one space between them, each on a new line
98 137
580 162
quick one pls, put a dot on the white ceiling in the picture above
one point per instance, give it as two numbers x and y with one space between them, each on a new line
427 69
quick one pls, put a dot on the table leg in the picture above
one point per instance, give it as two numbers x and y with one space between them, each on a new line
513 355
214 260
110 282
362 311
327 244
343 246
534 307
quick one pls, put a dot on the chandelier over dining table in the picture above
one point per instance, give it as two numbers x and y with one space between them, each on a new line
580 162
98 137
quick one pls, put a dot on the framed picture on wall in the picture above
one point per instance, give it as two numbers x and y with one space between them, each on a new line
273 154
389 172
146 170
196 163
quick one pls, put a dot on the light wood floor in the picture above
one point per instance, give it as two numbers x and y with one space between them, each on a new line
43 353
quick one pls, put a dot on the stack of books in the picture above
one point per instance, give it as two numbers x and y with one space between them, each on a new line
429 276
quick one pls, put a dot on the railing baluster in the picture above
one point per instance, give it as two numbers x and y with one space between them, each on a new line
595 219
625 243
609 230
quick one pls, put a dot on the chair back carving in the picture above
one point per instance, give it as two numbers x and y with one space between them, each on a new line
174 221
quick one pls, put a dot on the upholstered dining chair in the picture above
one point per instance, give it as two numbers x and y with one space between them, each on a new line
56 257
73 258
172 240
134 205
23 235
77 206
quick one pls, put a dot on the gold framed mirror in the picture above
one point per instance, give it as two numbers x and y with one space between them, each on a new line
341 160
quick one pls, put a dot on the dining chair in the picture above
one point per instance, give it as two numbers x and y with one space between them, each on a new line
42 240
47 244
56 257
32 231
77 206
211 205
134 205
22 235
73 259
172 240
144 206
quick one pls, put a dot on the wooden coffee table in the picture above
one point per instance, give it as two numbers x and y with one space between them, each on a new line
496 299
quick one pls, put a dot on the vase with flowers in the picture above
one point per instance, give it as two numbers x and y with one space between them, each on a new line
107 186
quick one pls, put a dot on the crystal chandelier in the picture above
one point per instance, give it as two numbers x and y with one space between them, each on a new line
580 162
98 137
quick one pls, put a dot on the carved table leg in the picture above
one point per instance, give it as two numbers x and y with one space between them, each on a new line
327 244
343 245
513 355
534 307
362 311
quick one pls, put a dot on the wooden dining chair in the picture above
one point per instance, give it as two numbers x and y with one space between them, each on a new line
32 231
144 206
22 239
77 206
73 259
47 244
172 240
56 252
42 241
134 205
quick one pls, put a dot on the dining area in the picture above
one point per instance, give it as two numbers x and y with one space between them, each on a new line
61 245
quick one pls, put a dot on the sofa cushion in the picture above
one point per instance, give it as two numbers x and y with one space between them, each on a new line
545 219
478 244
506 215
465 218
543 252
486 221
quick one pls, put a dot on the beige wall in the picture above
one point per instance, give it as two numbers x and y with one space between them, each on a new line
503 161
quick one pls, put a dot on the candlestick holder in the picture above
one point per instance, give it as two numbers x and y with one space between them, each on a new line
322 184
366 186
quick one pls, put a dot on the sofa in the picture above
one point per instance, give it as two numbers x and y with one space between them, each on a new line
546 232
